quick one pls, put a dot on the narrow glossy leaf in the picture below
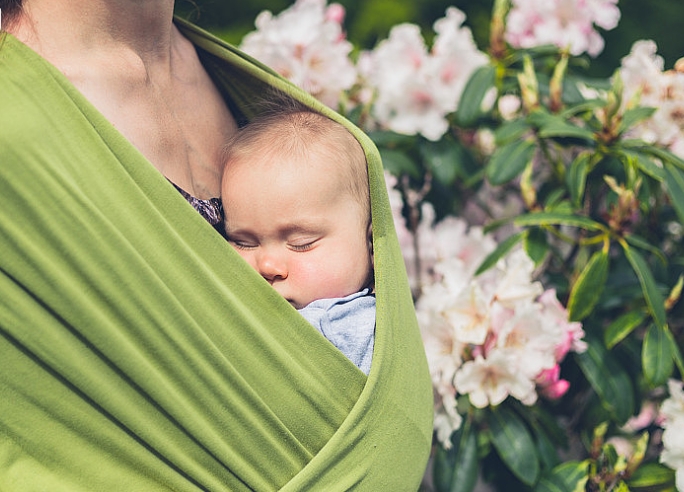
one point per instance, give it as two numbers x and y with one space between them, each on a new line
553 218
587 289
443 467
466 466
398 163
576 178
622 327
675 188
663 154
384 138
676 353
470 104
610 381
656 355
508 161
510 131
645 163
570 476
456 469
635 115
583 107
654 299
563 129
514 444
652 475
501 250
641 243
535 244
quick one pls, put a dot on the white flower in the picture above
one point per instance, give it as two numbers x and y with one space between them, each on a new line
531 340
416 89
516 285
490 381
305 43
447 419
509 106
672 410
644 79
564 23
572 332
468 314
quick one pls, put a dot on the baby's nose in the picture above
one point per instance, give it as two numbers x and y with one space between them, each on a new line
272 266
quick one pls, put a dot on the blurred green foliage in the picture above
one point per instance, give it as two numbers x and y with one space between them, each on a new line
369 21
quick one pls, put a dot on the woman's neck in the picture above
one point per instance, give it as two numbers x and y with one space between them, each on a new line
58 28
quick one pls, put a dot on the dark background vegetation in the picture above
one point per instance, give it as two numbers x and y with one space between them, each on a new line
369 21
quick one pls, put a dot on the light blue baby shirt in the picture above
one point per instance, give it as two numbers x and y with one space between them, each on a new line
349 323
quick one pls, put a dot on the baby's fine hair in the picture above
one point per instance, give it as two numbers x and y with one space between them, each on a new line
284 126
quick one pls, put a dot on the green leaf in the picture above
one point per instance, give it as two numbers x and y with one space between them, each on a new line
635 115
587 289
675 188
582 107
551 126
553 218
676 353
509 160
656 355
563 129
644 163
570 476
663 154
466 466
510 131
654 299
444 159
385 138
470 103
652 475
576 177
608 379
398 163
535 244
456 469
501 250
621 327
514 444
642 243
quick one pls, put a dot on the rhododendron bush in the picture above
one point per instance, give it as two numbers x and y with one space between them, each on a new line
540 215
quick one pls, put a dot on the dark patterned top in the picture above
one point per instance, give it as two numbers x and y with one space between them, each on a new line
211 209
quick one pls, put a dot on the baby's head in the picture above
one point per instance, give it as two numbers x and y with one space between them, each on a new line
297 204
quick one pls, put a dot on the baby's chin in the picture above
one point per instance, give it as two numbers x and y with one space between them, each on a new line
297 304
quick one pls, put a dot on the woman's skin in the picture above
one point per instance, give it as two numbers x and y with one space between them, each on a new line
135 67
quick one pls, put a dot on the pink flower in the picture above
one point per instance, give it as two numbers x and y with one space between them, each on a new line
550 385
564 23
572 331
335 13
305 44
417 89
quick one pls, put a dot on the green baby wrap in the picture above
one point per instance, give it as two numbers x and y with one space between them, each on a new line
138 352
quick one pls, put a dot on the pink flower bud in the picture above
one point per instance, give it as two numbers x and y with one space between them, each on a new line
335 13
556 390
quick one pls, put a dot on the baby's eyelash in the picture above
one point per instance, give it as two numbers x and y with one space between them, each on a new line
301 247
240 244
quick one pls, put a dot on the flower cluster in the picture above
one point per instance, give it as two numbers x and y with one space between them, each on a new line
568 24
490 336
306 44
645 80
672 410
415 88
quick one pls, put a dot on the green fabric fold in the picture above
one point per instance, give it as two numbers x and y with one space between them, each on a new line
138 352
